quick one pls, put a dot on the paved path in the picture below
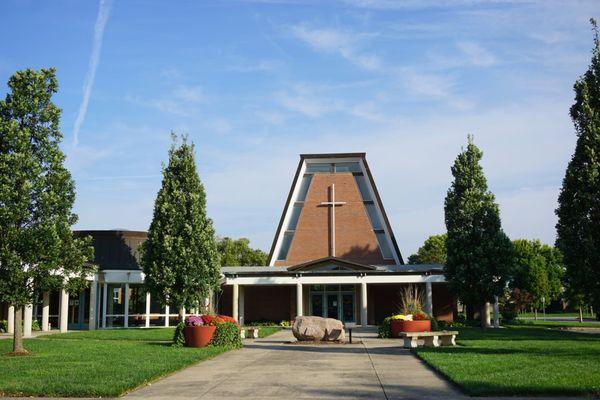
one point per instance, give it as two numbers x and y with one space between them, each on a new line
269 368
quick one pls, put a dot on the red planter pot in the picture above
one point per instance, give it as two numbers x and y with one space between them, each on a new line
399 326
198 336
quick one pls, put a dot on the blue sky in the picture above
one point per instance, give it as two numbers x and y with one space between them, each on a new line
255 83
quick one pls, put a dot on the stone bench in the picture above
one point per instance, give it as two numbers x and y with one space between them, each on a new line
249 332
431 339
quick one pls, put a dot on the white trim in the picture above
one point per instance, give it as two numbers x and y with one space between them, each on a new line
324 280
288 213
123 276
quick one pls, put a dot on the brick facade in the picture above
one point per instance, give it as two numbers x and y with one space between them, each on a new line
354 236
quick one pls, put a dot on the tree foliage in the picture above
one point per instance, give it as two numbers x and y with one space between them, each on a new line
37 248
537 273
237 252
479 254
433 251
180 257
578 227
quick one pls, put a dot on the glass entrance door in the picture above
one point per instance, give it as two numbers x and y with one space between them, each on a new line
333 301
316 304
333 306
79 305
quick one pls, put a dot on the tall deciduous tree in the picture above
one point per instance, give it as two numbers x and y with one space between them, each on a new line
537 273
479 254
37 248
433 251
180 257
239 253
578 227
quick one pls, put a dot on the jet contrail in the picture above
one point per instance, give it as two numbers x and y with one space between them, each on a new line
103 12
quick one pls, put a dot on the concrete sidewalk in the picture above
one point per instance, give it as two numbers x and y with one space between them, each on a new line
269 368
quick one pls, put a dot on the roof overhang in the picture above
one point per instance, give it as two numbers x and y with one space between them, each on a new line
331 264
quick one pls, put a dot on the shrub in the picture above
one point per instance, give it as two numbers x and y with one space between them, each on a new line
509 315
3 326
179 335
35 325
284 323
435 326
262 323
385 330
227 335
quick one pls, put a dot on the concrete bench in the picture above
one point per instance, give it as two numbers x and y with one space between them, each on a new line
431 339
249 332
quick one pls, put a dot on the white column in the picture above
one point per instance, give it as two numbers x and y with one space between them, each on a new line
126 306
104 303
241 311
63 314
487 316
299 300
167 315
11 319
363 304
496 312
235 302
45 311
93 304
428 299
148 309
27 320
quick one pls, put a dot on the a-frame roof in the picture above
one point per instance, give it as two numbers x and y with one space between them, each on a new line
306 159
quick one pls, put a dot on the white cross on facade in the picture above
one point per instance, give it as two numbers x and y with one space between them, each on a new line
332 203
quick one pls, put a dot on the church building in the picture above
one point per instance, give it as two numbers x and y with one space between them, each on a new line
334 255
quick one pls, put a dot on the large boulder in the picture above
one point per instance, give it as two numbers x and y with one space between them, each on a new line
318 329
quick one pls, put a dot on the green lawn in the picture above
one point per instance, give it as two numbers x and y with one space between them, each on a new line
558 324
520 360
563 315
265 331
94 363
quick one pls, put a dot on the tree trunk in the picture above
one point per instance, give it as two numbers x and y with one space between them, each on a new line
485 315
18 348
535 314
470 312
181 314
580 314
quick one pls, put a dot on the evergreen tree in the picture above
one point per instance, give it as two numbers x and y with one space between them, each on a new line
239 253
180 257
479 254
433 251
537 273
37 248
578 227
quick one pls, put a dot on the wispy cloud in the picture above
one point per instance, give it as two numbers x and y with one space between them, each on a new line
182 100
345 43
101 19
476 54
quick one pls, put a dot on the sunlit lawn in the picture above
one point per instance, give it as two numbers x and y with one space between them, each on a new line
94 363
520 360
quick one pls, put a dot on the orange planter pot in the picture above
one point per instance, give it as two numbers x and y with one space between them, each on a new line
399 326
198 336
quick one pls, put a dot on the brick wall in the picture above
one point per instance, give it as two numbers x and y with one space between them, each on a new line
355 239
